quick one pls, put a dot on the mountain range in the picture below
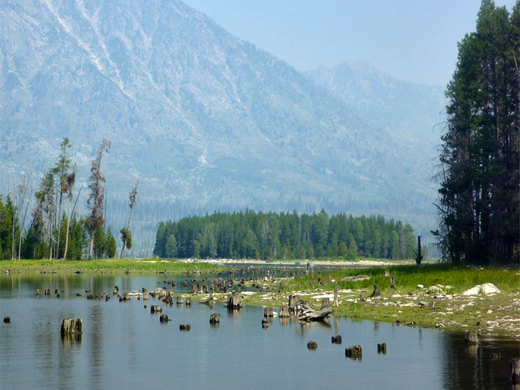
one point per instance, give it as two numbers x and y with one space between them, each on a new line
204 119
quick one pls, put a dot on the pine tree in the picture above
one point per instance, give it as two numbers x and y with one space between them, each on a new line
480 154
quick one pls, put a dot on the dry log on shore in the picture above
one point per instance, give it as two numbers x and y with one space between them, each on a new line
307 314
357 278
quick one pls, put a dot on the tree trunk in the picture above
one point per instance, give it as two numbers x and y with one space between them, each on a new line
91 248
67 232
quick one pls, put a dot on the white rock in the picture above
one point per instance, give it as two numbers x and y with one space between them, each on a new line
419 286
486 288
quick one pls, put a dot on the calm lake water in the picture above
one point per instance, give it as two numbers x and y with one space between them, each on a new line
124 346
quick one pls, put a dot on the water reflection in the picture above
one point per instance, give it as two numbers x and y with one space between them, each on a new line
122 344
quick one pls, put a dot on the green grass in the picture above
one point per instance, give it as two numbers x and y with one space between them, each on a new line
113 265
460 277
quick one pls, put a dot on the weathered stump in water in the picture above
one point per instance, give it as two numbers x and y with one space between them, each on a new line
337 339
71 326
265 323
7 319
90 296
180 300
214 318
376 292
115 290
47 291
146 295
234 301
293 303
284 312
188 302
185 327
163 318
107 298
268 312
514 367
156 309
381 348
471 338
312 345
354 352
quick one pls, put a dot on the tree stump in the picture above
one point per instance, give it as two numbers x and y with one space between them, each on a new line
71 326
293 302
381 348
325 302
214 318
329 276
188 302
284 312
163 318
376 292
234 301
155 309
146 295
265 323
312 345
514 367
471 338
354 352
7 320
268 312
336 302
392 282
185 327
180 300
337 339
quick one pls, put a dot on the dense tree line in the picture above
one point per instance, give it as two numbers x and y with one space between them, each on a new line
284 236
53 232
479 177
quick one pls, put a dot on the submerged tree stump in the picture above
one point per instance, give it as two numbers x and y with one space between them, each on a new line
163 318
293 302
354 352
312 345
156 309
284 312
7 319
381 348
268 312
188 302
185 327
337 339
514 367
234 301
214 318
471 338
71 326
180 300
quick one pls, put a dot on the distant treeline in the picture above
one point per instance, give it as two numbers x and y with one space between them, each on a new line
284 236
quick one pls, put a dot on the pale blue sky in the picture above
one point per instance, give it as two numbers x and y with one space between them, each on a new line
413 40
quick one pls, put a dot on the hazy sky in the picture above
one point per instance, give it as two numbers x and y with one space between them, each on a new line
414 40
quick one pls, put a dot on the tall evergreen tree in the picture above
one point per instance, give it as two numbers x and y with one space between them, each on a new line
479 176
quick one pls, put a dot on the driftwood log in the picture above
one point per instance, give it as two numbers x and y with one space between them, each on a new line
71 326
307 314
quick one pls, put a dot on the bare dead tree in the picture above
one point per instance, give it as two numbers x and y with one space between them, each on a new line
133 202
97 194
71 180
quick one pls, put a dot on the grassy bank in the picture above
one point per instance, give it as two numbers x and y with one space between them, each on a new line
153 265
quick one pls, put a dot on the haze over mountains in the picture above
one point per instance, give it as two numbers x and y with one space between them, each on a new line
204 119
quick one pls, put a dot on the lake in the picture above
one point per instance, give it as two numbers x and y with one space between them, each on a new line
124 346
